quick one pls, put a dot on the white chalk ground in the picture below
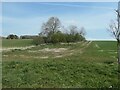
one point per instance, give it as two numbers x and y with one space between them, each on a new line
12 48
57 52
62 51
53 50
45 57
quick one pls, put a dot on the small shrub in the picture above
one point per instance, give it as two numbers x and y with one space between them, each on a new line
55 38
69 38
38 40
77 37
58 37
62 37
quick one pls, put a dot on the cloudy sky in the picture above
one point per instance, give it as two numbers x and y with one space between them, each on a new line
26 18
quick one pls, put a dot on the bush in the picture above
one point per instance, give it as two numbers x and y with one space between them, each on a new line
62 37
38 40
28 36
55 38
47 39
77 37
11 36
69 38
82 38
58 37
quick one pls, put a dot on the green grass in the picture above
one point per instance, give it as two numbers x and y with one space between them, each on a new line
107 45
84 68
16 43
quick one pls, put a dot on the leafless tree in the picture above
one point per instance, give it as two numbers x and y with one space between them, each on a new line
82 31
73 29
52 25
114 28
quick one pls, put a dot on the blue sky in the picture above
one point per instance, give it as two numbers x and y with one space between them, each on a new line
26 18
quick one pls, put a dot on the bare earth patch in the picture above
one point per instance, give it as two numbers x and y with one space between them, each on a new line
45 57
57 50
12 48
58 56
50 52
53 49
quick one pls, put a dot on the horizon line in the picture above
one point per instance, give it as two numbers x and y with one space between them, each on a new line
88 39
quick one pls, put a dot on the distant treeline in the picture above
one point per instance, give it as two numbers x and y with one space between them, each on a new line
13 36
28 36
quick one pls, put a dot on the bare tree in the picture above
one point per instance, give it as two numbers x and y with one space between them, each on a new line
73 29
52 25
82 31
114 28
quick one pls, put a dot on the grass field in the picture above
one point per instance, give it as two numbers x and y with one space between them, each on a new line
16 43
79 65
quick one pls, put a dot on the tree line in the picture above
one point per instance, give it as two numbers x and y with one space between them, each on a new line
13 36
53 31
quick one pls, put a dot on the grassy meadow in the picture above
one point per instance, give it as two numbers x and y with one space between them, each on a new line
7 43
75 65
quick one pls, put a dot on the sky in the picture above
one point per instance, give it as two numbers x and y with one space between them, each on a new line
26 18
